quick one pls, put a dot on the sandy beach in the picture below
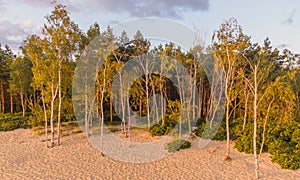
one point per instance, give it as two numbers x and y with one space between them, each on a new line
23 155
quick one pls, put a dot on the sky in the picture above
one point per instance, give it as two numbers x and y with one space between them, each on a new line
278 20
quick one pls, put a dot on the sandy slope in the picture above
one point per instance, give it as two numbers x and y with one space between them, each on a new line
23 155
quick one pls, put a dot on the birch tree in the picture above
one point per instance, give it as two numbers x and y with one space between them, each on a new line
227 40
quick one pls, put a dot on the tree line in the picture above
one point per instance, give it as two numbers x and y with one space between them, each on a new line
261 83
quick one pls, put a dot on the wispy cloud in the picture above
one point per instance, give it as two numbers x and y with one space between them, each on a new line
135 8
283 46
290 19
71 5
143 8
13 34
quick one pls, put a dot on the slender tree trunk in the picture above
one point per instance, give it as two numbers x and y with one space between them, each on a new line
86 108
147 98
129 118
111 108
265 126
162 100
2 98
227 131
194 95
102 122
255 123
46 118
102 110
52 115
11 104
123 123
200 100
154 103
22 102
235 107
59 101
246 106
141 105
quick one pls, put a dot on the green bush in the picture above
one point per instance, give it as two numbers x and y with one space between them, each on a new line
68 117
10 122
220 135
157 130
160 130
281 140
245 142
287 160
178 144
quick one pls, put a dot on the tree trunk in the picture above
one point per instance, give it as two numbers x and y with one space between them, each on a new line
111 108
2 98
53 96
246 108
129 118
59 101
227 131
255 123
11 104
46 118
141 106
86 108
265 127
235 107
22 102
147 98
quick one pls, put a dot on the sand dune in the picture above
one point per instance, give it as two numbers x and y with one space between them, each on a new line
23 155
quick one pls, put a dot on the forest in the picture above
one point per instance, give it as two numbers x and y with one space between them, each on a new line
261 86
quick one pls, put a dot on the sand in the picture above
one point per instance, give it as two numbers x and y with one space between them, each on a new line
23 155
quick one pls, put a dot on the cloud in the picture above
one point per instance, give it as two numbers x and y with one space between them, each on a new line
13 34
290 19
113 22
135 8
71 5
283 46
143 8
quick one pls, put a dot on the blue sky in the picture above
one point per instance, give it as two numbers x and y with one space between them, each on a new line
279 20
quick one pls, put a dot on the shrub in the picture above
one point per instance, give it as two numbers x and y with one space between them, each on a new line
10 122
245 142
287 160
281 140
178 144
157 130
220 135
160 130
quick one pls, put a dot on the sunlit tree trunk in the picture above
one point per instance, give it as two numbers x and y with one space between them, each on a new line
22 102
255 121
11 104
45 116
265 126
53 96
246 93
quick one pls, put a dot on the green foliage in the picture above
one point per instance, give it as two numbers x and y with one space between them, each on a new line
68 117
221 132
282 141
10 122
160 130
287 160
245 142
177 144
157 130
